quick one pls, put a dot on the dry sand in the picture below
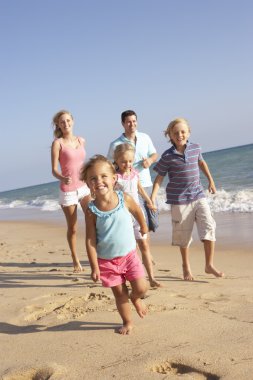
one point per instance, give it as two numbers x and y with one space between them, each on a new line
58 325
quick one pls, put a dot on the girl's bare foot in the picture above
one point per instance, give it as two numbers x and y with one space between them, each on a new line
187 274
140 307
211 270
125 329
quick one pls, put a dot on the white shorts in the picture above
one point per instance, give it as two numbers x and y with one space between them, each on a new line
71 198
183 218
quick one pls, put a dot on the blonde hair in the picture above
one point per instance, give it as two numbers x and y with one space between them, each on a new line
98 158
121 149
173 123
55 122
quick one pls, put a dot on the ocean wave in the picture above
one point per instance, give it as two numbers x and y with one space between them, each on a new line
38 203
222 201
232 201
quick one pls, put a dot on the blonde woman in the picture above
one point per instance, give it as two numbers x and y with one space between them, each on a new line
67 157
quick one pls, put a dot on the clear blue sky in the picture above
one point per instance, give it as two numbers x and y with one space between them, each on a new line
162 58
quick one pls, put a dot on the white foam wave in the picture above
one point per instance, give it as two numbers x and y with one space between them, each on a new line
221 201
51 205
38 203
231 201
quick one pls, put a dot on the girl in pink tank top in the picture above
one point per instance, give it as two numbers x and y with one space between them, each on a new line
68 153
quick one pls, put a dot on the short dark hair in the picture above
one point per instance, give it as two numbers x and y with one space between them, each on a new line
127 113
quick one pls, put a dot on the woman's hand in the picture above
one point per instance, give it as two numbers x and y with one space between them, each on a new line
67 180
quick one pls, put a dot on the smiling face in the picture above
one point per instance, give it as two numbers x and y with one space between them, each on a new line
130 125
125 162
179 135
65 123
101 179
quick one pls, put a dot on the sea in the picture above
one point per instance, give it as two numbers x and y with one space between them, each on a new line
232 171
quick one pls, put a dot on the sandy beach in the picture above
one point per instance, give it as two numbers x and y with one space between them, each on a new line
58 325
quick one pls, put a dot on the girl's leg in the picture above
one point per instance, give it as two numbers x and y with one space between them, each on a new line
122 302
209 255
147 261
186 264
139 288
70 213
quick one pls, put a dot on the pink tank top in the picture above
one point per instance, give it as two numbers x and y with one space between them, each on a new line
71 161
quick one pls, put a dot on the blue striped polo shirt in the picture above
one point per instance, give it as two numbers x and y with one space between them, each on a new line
183 172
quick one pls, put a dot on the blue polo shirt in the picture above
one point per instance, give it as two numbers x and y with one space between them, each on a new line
183 172
143 149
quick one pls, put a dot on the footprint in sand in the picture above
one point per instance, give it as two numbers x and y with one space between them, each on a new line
158 308
52 372
69 308
173 369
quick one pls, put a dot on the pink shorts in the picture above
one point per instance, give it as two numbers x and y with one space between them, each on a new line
120 269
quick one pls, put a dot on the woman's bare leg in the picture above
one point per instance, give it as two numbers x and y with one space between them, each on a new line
70 213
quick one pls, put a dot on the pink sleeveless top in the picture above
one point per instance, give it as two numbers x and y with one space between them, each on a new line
71 160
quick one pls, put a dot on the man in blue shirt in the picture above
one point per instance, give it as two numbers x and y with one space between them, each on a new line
145 152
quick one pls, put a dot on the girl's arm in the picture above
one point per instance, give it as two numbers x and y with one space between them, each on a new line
55 152
204 168
90 221
136 211
146 197
156 186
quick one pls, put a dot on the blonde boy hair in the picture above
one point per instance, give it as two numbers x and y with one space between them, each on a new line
55 122
173 123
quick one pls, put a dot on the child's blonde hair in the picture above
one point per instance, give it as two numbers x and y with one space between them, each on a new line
55 122
121 149
92 162
173 123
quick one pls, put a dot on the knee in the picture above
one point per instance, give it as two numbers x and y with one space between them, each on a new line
72 229
140 291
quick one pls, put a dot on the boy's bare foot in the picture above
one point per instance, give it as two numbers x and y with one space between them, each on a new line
125 329
211 270
187 274
140 307
154 284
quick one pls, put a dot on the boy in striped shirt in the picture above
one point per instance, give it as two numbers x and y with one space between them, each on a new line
185 194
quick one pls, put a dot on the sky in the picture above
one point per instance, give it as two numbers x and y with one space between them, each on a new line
96 58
